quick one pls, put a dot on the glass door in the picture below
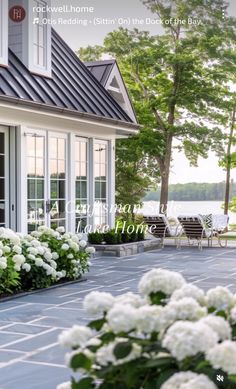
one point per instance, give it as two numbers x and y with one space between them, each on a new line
46 179
4 176
36 180
57 180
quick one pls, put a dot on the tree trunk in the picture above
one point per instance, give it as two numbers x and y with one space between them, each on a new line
228 165
165 173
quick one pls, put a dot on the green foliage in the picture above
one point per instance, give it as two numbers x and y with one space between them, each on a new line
178 85
232 205
194 191
123 233
95 237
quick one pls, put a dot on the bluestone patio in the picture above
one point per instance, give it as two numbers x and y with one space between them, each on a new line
30 356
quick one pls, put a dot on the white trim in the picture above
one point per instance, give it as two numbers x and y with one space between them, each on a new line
4 32
111 182
47 70
15 114
5 131
122 91
13 178
91 183
71 183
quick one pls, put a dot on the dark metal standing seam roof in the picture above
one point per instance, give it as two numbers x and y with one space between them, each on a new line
72 85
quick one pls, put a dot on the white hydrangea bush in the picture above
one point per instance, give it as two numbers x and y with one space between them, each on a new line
41 258
172 335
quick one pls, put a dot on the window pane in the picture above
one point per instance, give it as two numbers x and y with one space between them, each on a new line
39 168
53 168
83 189
39 147
61 148
2 212
97 190
78 192
54 189
31 189
62 189
61 169
2 189
103 190
2 143
40 189
53 148
31 167
2 166
83 171
83 153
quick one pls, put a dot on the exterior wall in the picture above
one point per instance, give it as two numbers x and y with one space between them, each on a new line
26 122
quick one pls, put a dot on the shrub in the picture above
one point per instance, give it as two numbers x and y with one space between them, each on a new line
173 335
112 237
95 237
40 259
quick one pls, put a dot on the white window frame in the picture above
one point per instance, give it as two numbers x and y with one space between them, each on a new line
4 32
33 67
106 143
5 131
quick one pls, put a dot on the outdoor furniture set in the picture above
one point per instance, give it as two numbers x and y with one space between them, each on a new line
194 228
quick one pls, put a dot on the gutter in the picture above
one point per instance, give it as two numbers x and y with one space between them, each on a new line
50 108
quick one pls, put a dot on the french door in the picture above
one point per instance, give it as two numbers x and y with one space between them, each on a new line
46 155
4 176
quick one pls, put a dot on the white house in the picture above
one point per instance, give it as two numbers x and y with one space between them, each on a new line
58 126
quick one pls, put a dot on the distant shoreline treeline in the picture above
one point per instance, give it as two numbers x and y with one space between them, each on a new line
194 191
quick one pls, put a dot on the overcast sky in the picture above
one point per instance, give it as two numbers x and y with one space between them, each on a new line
87 31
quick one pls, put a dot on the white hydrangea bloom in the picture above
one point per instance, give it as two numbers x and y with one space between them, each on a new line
61 229
41 250
185 309
32 250
83 243
18 259
151 318
6 249
122 318
188 380
233 315
39 262
220 298
17 249
189 290
55 256
75 336
105 355
186 338
160 280
74 246
130 298
98 302
31 256
64 385
17 267
78 237
219 325
90 250
26 267
65 247
223 356
48 255
3 263
35 243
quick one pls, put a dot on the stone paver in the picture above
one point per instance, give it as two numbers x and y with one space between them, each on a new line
30 356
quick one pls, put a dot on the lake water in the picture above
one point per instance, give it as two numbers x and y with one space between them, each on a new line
176 208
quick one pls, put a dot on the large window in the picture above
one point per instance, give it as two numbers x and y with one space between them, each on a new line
3 32
35 181
81 182
100 175
57 164
40 36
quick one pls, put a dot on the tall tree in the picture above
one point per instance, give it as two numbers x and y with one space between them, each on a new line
177 79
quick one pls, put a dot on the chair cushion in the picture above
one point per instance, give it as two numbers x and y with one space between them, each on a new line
231 235
207 220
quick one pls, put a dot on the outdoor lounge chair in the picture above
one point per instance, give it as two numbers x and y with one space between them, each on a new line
159 227
194 229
